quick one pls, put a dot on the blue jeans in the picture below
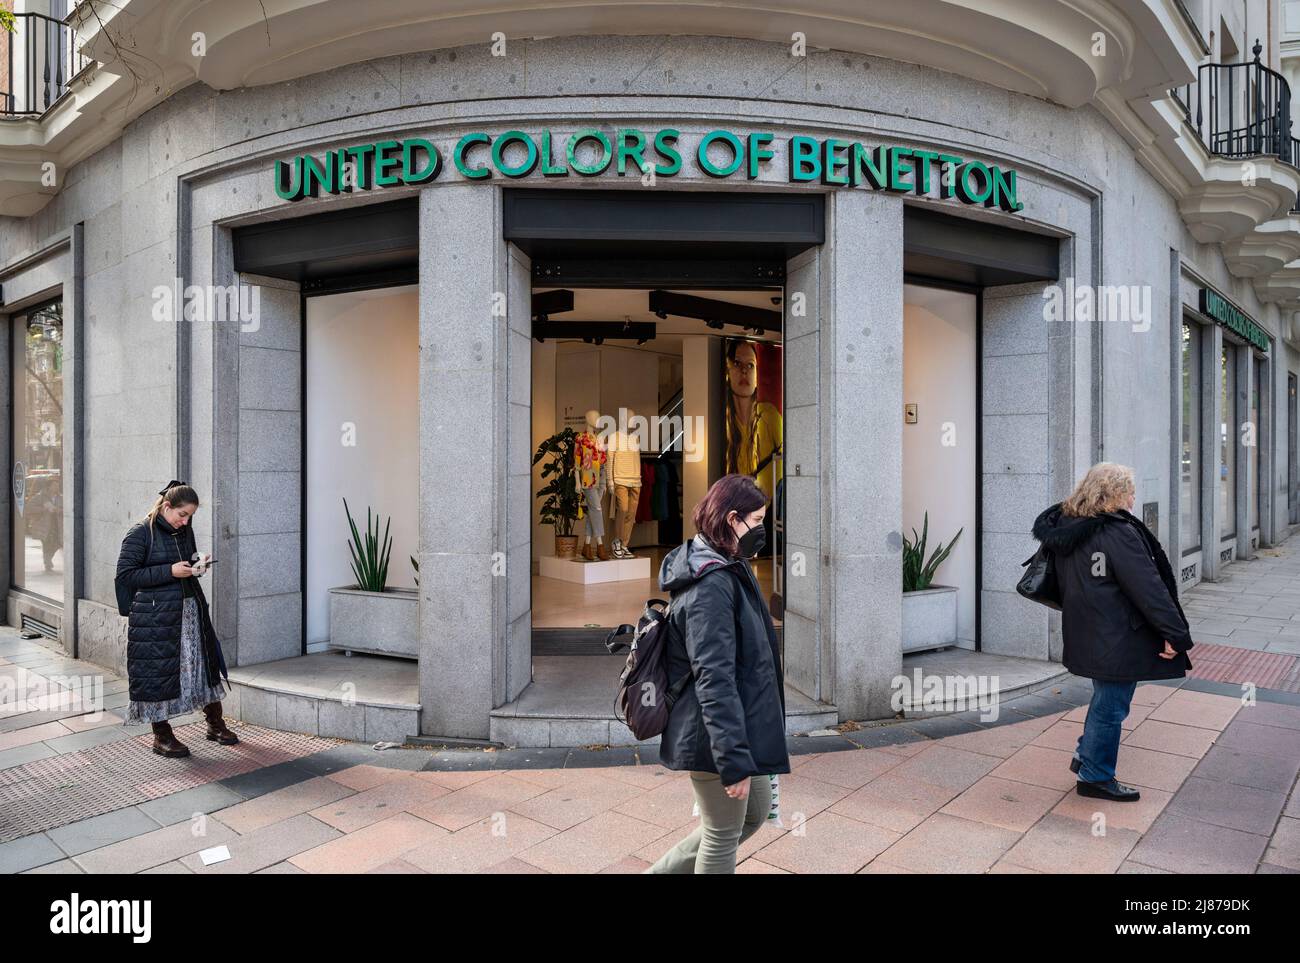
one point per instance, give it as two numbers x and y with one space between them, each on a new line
1099 745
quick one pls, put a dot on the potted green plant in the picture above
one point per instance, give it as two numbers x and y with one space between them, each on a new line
929 610
560 493
368 616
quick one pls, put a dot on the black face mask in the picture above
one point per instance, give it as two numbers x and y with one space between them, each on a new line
752 542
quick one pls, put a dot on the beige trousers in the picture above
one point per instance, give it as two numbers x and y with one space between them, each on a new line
625 501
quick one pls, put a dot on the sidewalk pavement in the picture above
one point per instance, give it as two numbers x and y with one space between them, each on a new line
951 794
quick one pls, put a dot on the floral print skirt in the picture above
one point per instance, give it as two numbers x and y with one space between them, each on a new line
195 690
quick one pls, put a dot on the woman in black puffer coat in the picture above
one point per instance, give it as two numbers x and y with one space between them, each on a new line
728 728
174 662
1121 623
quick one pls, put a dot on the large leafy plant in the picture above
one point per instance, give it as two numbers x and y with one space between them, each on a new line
918 572
369 554
560 493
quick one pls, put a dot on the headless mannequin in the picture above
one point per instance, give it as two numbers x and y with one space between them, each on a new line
625 490
594 529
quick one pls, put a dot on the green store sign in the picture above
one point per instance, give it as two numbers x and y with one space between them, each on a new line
1216 306
481 157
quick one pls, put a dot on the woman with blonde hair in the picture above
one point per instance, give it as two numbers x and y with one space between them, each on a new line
174 663
1120 619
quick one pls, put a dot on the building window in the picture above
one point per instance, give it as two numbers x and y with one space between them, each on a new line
1189 516
1228 444
37 475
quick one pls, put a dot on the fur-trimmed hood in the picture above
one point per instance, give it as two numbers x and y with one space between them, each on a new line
1062 533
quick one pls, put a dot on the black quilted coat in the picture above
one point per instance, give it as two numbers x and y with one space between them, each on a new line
1119 601
152 599
732 720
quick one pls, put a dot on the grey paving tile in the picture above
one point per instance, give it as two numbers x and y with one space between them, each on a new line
875 736
182 805
20 755
1181 844
90 737
87 834
28 852
1265 740
1227 804
1242 768
64 867
267 779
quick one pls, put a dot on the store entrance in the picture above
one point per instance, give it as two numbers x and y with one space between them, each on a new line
642 397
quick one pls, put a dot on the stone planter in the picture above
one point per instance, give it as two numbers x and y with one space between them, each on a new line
381 623
930 618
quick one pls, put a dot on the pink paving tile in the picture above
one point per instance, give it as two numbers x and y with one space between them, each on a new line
894 803
1003 803
363 777
577 800
756 867
457 780
396 867
479 845
370 846
645 777
1197 709
1058 844
1153 695
1178 740
941 765
1150 769
1136 713
1002 867
1000 741
878 868
25 737
1039 766
1137 816
947 844
591 846
351 812
828 843
1063 735
907 749
514 867
802 797
271 844
851 769
301 797
667 807
627 866
487 797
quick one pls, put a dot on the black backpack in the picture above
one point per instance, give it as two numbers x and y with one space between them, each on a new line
644 697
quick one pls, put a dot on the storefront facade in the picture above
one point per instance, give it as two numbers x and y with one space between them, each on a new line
187 256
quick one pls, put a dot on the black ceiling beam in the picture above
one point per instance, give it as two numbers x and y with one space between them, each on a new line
604 330
975 252
715 311
547 303
593 271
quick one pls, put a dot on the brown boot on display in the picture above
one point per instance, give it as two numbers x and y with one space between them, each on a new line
165 743
602 552
217 731
588 552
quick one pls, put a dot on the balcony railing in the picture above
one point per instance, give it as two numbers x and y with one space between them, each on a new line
37 61
1240 110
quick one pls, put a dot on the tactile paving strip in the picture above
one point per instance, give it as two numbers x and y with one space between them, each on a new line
72 786
1226 663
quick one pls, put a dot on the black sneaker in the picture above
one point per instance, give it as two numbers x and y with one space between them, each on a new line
1111 789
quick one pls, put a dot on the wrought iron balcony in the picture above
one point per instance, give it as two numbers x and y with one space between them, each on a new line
1240 110
37 61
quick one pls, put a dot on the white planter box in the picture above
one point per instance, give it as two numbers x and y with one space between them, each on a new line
383 623
930 618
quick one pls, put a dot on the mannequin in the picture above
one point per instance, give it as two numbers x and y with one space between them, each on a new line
623 471
590 459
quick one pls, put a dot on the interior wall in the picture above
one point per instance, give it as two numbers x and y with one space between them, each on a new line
362 401
940 354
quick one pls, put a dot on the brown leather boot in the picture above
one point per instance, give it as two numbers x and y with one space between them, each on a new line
588 552
602 552
217 731
165 743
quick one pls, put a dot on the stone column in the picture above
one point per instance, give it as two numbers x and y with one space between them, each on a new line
861 436
464 475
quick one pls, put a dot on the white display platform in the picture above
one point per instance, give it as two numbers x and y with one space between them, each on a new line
589 573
